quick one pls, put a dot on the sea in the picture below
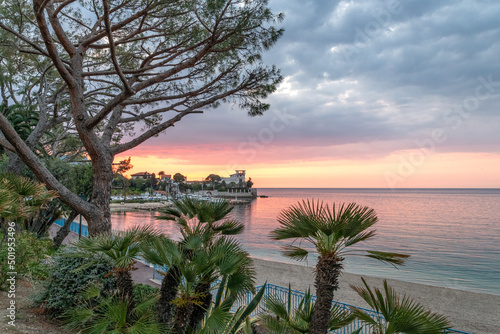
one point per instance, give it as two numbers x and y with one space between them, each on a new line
452 235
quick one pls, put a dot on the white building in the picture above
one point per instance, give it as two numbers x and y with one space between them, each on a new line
237 177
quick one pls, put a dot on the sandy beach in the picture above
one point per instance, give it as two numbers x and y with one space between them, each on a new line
471 312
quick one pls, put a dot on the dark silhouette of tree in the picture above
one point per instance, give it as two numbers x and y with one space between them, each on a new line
179 178
249 183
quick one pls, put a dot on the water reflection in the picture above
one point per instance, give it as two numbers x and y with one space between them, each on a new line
452 235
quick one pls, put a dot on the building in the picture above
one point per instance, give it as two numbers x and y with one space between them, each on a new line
165 177
143 175
238 178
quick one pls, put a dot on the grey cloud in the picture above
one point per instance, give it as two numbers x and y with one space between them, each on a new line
396 86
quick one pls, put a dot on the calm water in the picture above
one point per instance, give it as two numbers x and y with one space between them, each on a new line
452 235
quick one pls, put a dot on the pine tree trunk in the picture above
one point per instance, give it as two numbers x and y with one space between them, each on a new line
328 270
64 230
100 221
168 291
200 310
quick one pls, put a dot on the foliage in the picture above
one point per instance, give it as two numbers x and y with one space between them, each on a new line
399 314
220 320
204 254
210 217
30 251
110 314
332 231
144 291
179 178
23 119
213 178
249 183
122 249
70 275
279 317
21 197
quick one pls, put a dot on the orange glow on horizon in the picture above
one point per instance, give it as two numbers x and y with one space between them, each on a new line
399 170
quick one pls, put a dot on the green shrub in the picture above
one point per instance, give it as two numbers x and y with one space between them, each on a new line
69 275
29 253
110 314
143 291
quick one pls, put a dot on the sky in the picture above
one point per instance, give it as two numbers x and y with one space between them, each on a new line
376 94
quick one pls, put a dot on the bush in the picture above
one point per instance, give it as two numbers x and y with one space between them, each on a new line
69 275
29 253
110 314
143 291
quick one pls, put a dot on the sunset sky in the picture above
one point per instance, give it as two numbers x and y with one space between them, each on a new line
376 94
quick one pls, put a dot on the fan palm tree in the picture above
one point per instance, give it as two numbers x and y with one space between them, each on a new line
398 314
211 216
332 231
165 252
230 263
200 222
279 317
98 314
22 198
219 319
122 249
199 266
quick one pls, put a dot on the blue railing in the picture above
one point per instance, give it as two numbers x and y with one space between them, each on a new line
74 227
296 296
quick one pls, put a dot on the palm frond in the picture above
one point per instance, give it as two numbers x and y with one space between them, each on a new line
388 257
400 315
294 252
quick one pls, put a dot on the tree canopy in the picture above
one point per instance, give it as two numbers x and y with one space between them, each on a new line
130 69
178 177
213 178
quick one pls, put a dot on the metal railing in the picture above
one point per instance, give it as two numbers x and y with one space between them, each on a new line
74 227
296 296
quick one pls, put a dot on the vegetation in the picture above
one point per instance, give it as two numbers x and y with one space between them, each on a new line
112 314
399 314
279 317
332 232
71 272
122 249
200 257
179 178
30 252
173 59
20 199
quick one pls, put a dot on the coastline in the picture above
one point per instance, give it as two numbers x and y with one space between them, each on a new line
155 206
471 312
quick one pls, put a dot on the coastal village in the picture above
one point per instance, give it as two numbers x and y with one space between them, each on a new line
152 187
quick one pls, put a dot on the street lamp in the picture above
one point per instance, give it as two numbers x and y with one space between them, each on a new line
82 196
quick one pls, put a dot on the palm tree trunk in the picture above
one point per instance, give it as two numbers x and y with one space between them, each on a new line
182 318
168 291
125 287
200 310
326 282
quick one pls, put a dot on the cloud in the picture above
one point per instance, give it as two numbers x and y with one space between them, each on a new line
364 79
